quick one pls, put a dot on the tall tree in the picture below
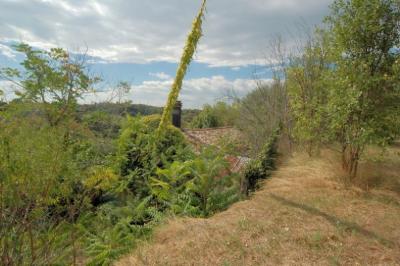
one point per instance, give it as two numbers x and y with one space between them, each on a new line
364 95
52 79
307 92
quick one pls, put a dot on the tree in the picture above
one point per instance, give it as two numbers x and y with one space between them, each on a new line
364 84
308 92
123 89
40 193
205 119
261 112
218 115
52 79
120 92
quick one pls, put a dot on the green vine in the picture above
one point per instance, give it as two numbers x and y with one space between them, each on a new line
186 58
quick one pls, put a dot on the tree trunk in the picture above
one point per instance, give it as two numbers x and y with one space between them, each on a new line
350 158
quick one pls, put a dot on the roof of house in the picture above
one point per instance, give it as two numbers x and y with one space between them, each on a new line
211 136
215 137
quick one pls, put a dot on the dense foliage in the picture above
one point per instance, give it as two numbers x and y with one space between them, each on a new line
365 101
88 187
260 112
82 184
308 93
345 86
141 151
261 167
79 184
220 114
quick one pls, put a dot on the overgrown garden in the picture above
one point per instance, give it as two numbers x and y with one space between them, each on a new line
80 187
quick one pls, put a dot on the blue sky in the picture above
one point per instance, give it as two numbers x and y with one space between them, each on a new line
141 41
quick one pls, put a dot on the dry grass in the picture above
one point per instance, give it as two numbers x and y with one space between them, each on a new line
302 216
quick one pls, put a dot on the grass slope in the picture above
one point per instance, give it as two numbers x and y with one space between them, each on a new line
301 216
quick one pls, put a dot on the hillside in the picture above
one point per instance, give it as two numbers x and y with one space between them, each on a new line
303 215
122 109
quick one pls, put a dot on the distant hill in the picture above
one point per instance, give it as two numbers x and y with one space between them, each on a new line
120 109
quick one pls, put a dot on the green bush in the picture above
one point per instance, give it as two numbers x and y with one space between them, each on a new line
205 119
197 187
40 195
50 177
102 123
264 164
142 149
220 114
117 228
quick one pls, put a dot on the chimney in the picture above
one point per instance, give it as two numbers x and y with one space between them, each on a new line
176 114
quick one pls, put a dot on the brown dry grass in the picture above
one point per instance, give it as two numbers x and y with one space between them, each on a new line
301 216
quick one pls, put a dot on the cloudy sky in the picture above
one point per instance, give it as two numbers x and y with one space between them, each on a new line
141 41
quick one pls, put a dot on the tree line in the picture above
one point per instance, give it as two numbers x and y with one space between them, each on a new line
341 86
84 188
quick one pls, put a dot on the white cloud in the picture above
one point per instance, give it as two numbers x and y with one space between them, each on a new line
160 75
8 88
7 51
195 92
236 32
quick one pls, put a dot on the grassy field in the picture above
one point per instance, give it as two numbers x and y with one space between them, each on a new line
303 215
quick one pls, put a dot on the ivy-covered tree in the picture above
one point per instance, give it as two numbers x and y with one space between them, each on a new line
187 56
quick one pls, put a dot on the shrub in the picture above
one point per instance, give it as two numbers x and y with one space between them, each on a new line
220 114
118 227
197 187
261 167
40 195
206 119
142 149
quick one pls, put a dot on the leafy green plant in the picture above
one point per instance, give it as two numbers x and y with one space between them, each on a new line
52 79
103 124
40 196
141 150
117 229
263 165
205 119
364 92
206 170
197 187
220 114
343 87
308 93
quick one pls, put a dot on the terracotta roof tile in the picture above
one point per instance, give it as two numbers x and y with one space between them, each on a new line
213 137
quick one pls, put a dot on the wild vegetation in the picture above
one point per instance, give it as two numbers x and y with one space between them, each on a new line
302 215
83 183
86 184
344 88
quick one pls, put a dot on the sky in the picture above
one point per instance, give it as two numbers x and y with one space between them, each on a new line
141 41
